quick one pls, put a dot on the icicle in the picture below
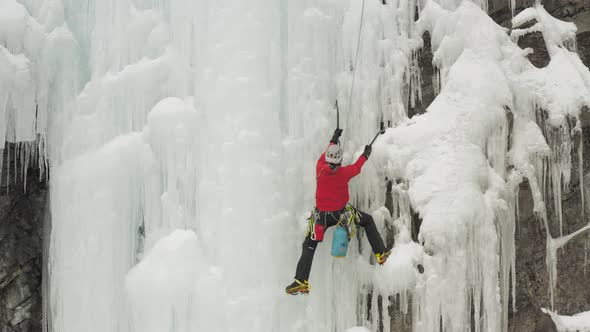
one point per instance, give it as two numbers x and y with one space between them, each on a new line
15 164
25 163
402 206
8 169
586 254
571 44
386 318
375 312
555 171
43 159
580 132
1 164
551 261
512 7
436 80
506 226
415 79
497 146
552 245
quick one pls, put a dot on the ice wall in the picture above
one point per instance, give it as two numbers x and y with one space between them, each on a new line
206 160
181 109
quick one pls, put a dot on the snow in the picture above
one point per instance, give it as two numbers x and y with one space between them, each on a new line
561 88
556 33
577 323
528 142
403 265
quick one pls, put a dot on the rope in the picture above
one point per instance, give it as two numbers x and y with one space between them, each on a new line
358 46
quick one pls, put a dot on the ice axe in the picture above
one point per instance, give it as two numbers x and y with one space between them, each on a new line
337 115
381 131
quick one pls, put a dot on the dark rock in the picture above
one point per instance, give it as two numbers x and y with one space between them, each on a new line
427 72
583 40
540 57
21 236
533 320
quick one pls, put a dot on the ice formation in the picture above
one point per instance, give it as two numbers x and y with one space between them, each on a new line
577 323
182 135
38 75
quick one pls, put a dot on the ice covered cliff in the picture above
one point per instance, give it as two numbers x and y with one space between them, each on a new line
182 136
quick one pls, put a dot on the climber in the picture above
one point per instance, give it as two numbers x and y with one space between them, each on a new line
332 204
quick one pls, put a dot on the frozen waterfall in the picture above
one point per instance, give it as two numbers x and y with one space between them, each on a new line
181 138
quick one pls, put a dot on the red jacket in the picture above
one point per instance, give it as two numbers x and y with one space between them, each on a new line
332 185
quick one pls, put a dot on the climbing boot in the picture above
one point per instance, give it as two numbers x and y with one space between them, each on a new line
298 287
382 257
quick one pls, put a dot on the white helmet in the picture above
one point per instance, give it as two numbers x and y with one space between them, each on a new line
334 154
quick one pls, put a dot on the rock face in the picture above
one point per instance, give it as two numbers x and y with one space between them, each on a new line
21 245
427 72
532 278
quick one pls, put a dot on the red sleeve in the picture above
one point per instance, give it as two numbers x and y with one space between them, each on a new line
353 170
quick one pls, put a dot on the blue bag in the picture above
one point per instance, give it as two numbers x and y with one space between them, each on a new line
340 242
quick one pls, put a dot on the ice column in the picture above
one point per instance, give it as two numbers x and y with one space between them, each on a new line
38 74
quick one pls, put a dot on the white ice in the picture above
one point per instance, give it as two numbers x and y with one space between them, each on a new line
38 75
576 323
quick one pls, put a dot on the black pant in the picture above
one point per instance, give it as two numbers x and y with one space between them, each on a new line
331 219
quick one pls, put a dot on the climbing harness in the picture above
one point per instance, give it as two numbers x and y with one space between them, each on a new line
348 219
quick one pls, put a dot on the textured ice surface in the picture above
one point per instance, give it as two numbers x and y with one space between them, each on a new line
174 287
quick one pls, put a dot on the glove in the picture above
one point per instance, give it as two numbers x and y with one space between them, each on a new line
367 151
336 136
